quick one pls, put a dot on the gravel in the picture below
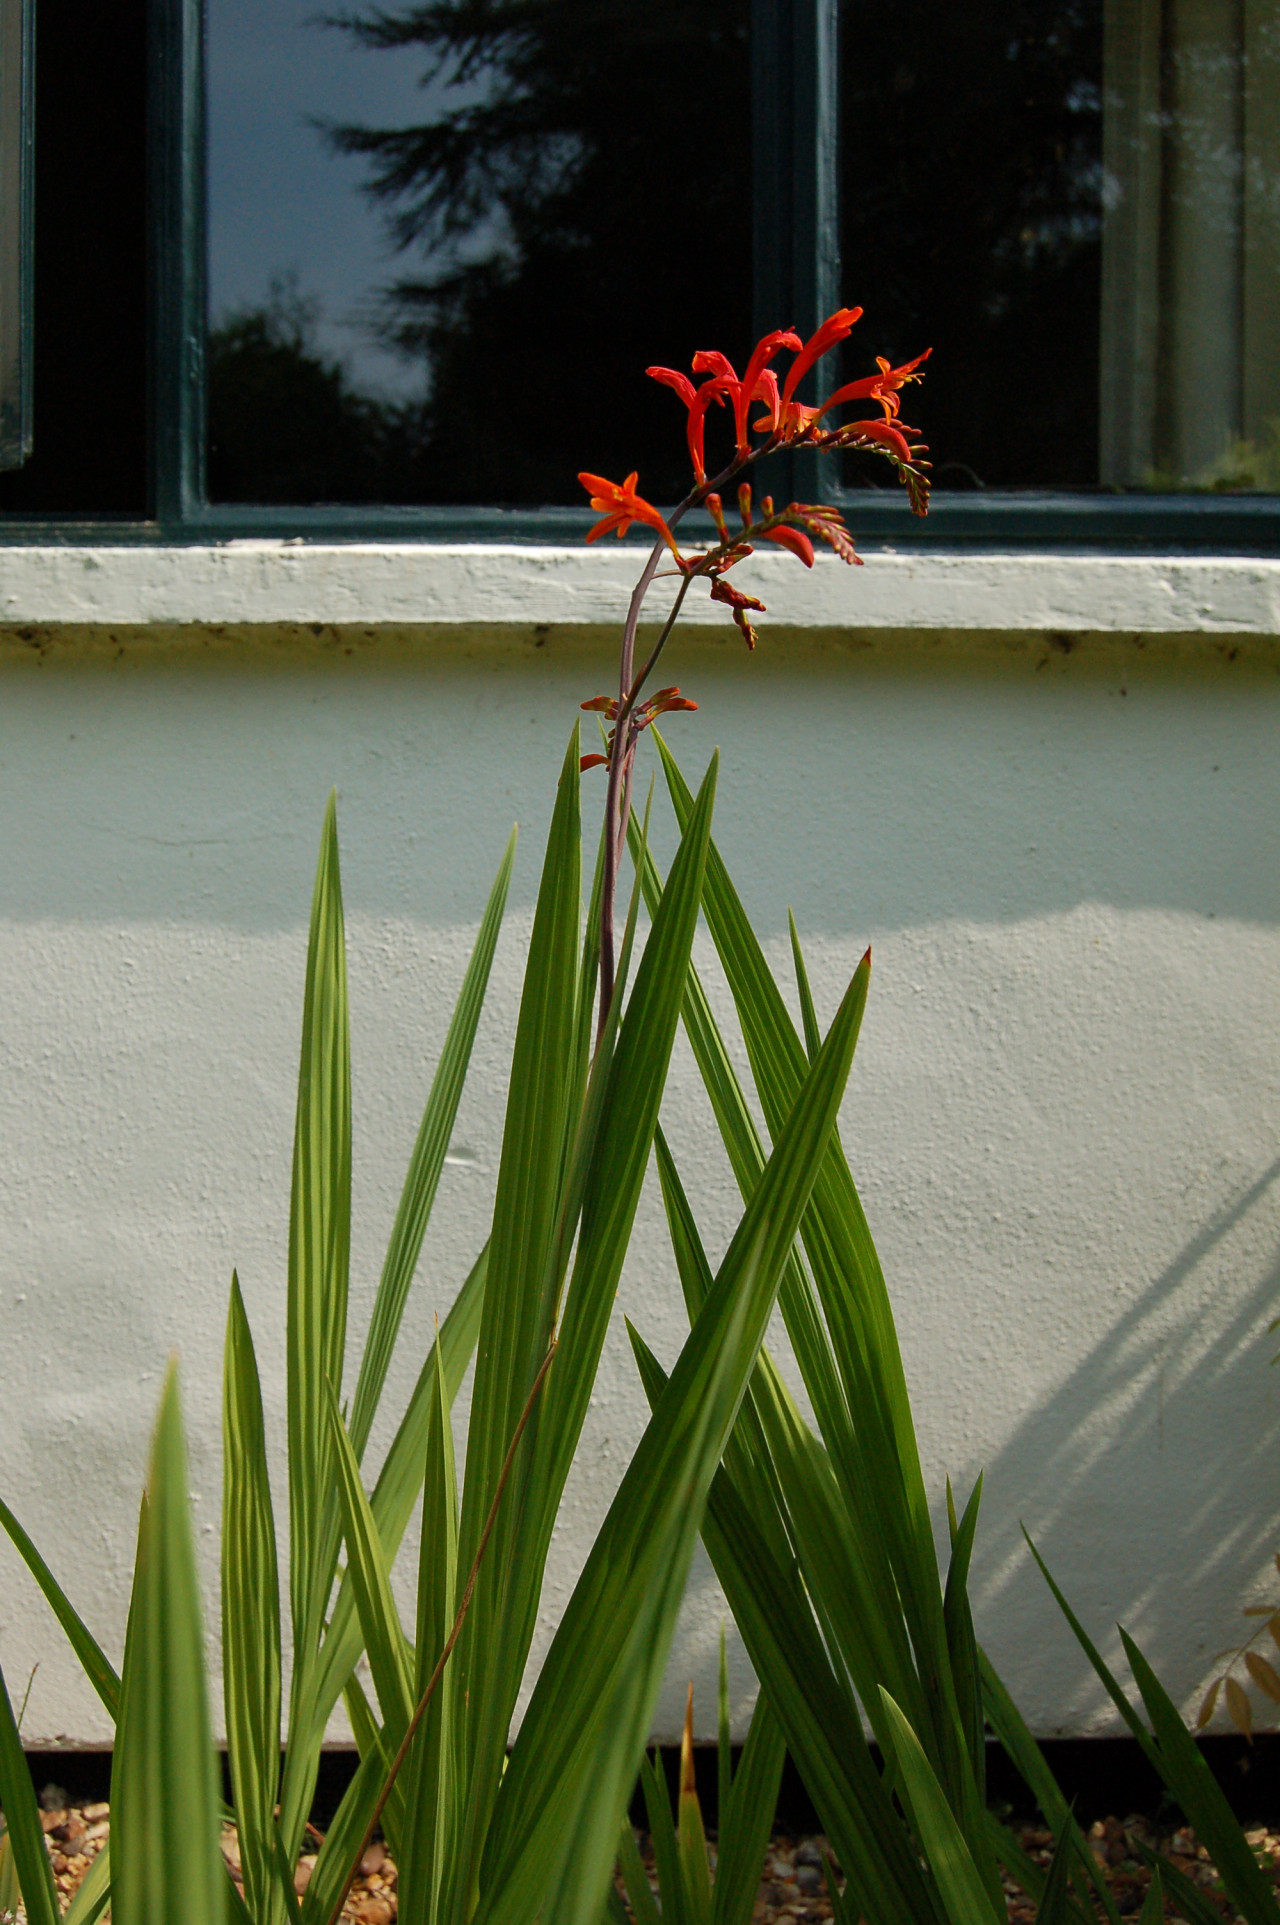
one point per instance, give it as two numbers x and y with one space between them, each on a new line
793 1879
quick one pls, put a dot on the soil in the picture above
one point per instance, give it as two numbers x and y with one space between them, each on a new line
792 1887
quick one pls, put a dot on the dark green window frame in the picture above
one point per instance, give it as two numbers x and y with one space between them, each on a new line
795 113
17 279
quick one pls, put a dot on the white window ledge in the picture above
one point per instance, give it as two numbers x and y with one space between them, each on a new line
388 584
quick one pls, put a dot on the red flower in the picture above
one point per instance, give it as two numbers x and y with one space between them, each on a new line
833 329
767 391
620 506
750 388
786 415
697 401
882 387
790 538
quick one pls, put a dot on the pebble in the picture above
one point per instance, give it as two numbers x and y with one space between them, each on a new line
374 1911
793 1886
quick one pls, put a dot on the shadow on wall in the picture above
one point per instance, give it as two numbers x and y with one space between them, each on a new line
1155 1455
869 789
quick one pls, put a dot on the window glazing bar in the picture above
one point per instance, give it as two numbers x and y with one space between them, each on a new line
177 266
17 234
795 100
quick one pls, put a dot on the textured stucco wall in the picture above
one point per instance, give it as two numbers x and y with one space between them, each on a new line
1064 1113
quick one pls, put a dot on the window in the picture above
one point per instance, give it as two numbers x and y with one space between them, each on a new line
400 269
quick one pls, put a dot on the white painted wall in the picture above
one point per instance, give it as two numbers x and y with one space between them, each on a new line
1061 839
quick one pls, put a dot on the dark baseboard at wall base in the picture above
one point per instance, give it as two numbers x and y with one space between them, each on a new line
1106 1777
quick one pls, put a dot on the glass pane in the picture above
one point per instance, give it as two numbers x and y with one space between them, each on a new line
1076 203
89 360
1191 251
972 218
445 242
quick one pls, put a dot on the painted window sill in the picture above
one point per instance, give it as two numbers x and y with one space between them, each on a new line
389 585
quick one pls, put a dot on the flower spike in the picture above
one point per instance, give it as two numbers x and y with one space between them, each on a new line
883 432
783 422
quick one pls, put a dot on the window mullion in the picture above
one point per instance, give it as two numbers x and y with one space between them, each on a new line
795 226
177 163
17 273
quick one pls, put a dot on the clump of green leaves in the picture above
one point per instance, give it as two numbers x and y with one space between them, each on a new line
1173 1753
821 1533
480 1838
689 1894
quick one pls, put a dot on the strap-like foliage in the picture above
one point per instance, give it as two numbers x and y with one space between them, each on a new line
164 1781
319 1243
863 1603
24 1833
250 1614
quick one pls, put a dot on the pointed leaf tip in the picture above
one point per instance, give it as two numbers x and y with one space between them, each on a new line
688 1782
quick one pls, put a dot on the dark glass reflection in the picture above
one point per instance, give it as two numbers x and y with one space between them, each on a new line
447 240
971 222
89 453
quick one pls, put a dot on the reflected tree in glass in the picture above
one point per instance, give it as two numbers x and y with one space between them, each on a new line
574 204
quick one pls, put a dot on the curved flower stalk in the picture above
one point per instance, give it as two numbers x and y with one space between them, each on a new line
785 423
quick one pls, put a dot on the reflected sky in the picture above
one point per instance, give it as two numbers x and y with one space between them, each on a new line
281 202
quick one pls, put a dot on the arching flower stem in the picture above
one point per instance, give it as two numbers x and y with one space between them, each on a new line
630 689
795 527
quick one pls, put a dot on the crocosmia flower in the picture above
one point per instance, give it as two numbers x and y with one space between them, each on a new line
620 506
882 387
697 401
